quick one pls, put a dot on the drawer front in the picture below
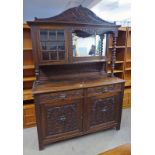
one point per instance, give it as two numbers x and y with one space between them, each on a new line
104 89
48 98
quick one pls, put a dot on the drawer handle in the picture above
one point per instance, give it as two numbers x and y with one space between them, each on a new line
105 89
62 95
104 110
62 118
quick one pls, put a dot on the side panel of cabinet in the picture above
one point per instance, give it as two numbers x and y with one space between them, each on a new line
61 120
103 112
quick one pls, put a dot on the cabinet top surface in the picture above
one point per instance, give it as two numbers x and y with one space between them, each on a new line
48 87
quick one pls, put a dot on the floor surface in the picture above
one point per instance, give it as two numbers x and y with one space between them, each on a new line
91 144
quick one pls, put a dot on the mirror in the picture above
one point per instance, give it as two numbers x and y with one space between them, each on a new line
86 45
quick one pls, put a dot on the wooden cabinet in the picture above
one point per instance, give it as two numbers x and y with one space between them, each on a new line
122 69
73 93
65 114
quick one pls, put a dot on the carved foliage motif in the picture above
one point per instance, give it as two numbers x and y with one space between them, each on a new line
80 15
104 89
61 119
102 110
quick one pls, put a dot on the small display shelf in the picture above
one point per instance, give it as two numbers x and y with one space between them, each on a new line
123 60
27 79
29 119
26 39
120 54
27 94
27 67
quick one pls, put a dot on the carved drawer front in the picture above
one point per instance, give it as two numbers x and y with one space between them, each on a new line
63 118
61 95
104 89
102 110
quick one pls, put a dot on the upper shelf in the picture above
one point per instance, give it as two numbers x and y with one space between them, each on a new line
27 49
28 79
28 67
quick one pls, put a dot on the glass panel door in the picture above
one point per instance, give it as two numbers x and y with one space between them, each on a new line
52 45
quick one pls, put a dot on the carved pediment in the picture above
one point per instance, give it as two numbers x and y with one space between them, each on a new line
76 15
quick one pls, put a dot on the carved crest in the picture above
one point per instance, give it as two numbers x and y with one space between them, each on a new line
75 15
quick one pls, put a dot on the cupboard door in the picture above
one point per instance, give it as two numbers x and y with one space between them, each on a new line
102 112
52 45
62 118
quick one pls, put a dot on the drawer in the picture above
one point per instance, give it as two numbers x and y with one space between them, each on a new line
103 89
73 94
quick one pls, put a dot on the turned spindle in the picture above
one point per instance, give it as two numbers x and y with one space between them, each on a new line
113 59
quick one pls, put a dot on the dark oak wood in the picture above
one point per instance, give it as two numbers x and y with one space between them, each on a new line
73 95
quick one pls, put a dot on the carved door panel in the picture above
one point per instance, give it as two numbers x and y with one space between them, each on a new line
62 119
102 111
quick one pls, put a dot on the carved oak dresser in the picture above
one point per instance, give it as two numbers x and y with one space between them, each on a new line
74 95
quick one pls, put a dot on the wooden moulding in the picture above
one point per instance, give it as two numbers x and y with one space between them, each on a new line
71 85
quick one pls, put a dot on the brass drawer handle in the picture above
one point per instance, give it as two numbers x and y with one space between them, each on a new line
104 110
105 89
62 95
62 118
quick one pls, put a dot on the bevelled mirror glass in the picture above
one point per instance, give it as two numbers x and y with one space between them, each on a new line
86 45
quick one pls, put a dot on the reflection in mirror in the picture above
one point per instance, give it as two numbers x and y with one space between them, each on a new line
85 45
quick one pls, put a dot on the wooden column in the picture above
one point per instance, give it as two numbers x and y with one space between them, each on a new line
113 59
101 45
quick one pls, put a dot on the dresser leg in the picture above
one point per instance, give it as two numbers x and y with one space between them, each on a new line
118 127
41 146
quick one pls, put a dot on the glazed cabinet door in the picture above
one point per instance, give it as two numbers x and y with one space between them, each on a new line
52 44
102 112
61 119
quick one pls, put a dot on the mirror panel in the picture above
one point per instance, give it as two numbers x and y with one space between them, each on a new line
86 45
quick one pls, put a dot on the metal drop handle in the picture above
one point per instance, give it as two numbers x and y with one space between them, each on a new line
104 110
62 118
62 95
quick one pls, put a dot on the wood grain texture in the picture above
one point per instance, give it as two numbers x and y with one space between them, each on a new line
73 95
120 150
71 85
